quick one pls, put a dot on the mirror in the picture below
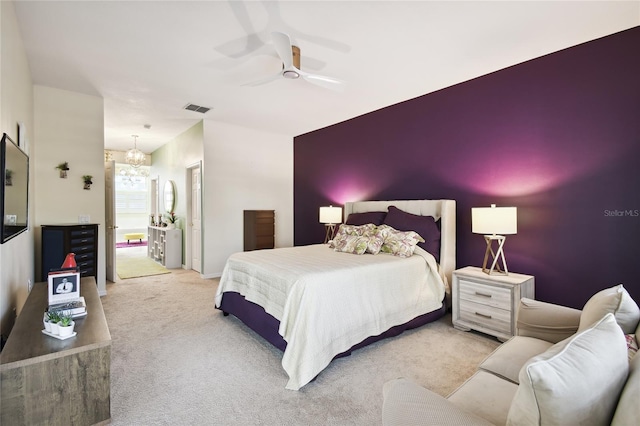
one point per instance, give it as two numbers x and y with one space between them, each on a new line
14 189
169 196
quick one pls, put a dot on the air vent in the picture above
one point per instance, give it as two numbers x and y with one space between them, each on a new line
197 108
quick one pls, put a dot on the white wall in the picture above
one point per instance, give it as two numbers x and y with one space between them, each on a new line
69 127
16 105
244 169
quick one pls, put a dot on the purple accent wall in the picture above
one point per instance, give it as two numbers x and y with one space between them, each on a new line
557 136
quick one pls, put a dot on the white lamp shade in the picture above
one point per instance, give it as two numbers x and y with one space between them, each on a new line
330 214
494 220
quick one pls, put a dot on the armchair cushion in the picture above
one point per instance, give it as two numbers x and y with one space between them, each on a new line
507 360
546 321
485 395
576 381
407 403
615 300
628 410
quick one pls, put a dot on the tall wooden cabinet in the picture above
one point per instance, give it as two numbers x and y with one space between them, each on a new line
259 229
81 239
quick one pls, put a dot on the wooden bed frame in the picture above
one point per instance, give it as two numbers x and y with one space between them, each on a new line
255 317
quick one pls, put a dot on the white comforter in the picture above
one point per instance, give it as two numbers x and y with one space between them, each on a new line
327 302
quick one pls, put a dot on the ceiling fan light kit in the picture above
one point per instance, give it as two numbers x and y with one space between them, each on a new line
290 56
290 74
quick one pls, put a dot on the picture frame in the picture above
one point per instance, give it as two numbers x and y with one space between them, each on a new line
63 286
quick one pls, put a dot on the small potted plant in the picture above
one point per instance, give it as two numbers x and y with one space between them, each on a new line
171 220
54 319
63 167
66 325
87 181
7 177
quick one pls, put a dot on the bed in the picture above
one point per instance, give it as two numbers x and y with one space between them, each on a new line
316 304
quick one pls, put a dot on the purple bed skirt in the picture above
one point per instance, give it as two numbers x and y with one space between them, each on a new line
255 317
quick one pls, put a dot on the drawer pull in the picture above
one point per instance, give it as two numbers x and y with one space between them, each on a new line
483 294
483 315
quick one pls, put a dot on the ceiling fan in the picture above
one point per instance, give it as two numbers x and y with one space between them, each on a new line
290 56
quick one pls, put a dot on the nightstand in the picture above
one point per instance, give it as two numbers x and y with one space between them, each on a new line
488 303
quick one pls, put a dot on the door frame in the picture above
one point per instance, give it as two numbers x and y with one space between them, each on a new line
188 221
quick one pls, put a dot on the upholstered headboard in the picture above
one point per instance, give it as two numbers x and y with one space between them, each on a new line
445 210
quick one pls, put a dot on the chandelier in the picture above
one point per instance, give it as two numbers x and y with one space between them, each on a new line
134 157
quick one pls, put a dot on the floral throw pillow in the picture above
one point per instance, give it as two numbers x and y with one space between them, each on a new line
355 244
377 238
344 231
632 345
399 243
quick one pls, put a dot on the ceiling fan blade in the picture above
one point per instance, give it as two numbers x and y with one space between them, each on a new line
264 80
282 44
324 81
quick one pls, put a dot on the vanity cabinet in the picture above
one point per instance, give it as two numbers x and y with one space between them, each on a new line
165 246
58 240
259 229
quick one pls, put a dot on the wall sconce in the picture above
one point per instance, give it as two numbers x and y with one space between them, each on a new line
494 222
330 216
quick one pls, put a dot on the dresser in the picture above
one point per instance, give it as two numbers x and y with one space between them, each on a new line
165 246
58 240
259 229
57 382
488 303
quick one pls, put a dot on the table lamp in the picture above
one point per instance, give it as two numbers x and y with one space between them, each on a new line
330 216
494 222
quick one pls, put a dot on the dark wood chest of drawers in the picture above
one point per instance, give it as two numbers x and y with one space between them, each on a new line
58 240
259 229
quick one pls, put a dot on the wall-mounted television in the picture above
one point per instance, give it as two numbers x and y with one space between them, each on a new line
14 189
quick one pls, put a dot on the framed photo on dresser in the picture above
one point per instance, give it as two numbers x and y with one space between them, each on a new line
63 286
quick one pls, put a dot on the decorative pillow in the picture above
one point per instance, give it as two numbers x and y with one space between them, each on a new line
399 243
355 244
377 238
377 218
425 226
615 300
576 381
632 345
349 230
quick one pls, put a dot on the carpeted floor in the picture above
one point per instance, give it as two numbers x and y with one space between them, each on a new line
177 360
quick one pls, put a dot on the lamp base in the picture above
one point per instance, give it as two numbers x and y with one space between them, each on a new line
495 267
331 229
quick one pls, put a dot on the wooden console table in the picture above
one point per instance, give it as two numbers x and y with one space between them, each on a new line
57 382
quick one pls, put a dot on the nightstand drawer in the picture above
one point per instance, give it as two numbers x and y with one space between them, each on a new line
486 316
498 297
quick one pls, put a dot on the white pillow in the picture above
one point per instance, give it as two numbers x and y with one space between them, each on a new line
576 381
615 300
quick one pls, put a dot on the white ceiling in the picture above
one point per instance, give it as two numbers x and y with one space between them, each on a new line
148 59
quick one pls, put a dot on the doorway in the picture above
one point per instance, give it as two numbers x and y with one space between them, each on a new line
133 196
193 234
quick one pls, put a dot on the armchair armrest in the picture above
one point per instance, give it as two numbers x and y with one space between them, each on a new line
407 403
546 321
